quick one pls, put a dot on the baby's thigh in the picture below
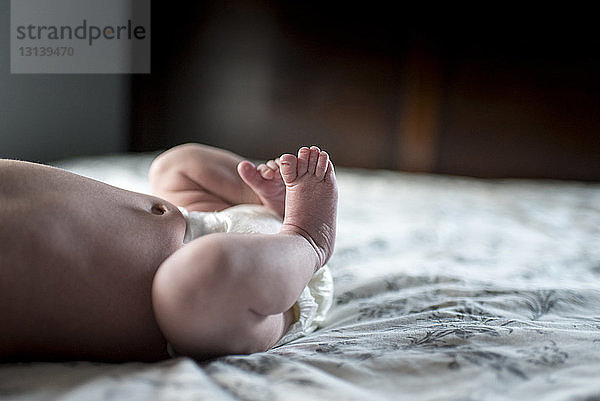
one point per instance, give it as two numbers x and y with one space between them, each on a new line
203 308
199 177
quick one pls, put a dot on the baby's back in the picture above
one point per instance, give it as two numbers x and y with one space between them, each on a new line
77 260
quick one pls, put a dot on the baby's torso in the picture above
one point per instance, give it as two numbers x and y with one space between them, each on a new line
77 259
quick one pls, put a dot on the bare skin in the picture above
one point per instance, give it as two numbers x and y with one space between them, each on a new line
89 271
266 181
77 261
230 293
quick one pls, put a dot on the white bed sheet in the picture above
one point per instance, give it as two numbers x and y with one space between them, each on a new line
446 289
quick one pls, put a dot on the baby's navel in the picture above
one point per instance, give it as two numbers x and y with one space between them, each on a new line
158 209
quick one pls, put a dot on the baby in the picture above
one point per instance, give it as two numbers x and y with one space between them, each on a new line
91 271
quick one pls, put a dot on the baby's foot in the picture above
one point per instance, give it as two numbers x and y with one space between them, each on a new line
265 180
311 199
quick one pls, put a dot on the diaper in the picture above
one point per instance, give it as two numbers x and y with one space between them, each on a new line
315 300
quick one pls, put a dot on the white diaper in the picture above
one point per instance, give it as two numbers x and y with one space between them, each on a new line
313 304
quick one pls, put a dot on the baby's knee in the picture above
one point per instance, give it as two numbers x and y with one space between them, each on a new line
172 160
205 330
199 308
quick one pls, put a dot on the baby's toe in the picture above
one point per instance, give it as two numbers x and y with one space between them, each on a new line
248 172
312 160
289 164
265 172
322 164
303 157
272 165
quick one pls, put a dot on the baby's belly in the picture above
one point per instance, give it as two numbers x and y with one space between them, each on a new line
77 262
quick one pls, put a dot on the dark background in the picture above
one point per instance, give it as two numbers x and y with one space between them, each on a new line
487 92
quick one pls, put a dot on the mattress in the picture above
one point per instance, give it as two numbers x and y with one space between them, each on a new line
446 288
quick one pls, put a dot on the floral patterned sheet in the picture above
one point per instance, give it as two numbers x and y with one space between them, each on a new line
447 288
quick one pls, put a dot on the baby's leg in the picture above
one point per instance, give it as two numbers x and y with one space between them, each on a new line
200 177
231 293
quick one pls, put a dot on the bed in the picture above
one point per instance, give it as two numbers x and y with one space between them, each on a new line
446 288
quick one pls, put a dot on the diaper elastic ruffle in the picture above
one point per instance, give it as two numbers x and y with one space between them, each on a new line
311 307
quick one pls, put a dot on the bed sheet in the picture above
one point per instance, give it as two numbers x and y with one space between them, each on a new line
446 288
